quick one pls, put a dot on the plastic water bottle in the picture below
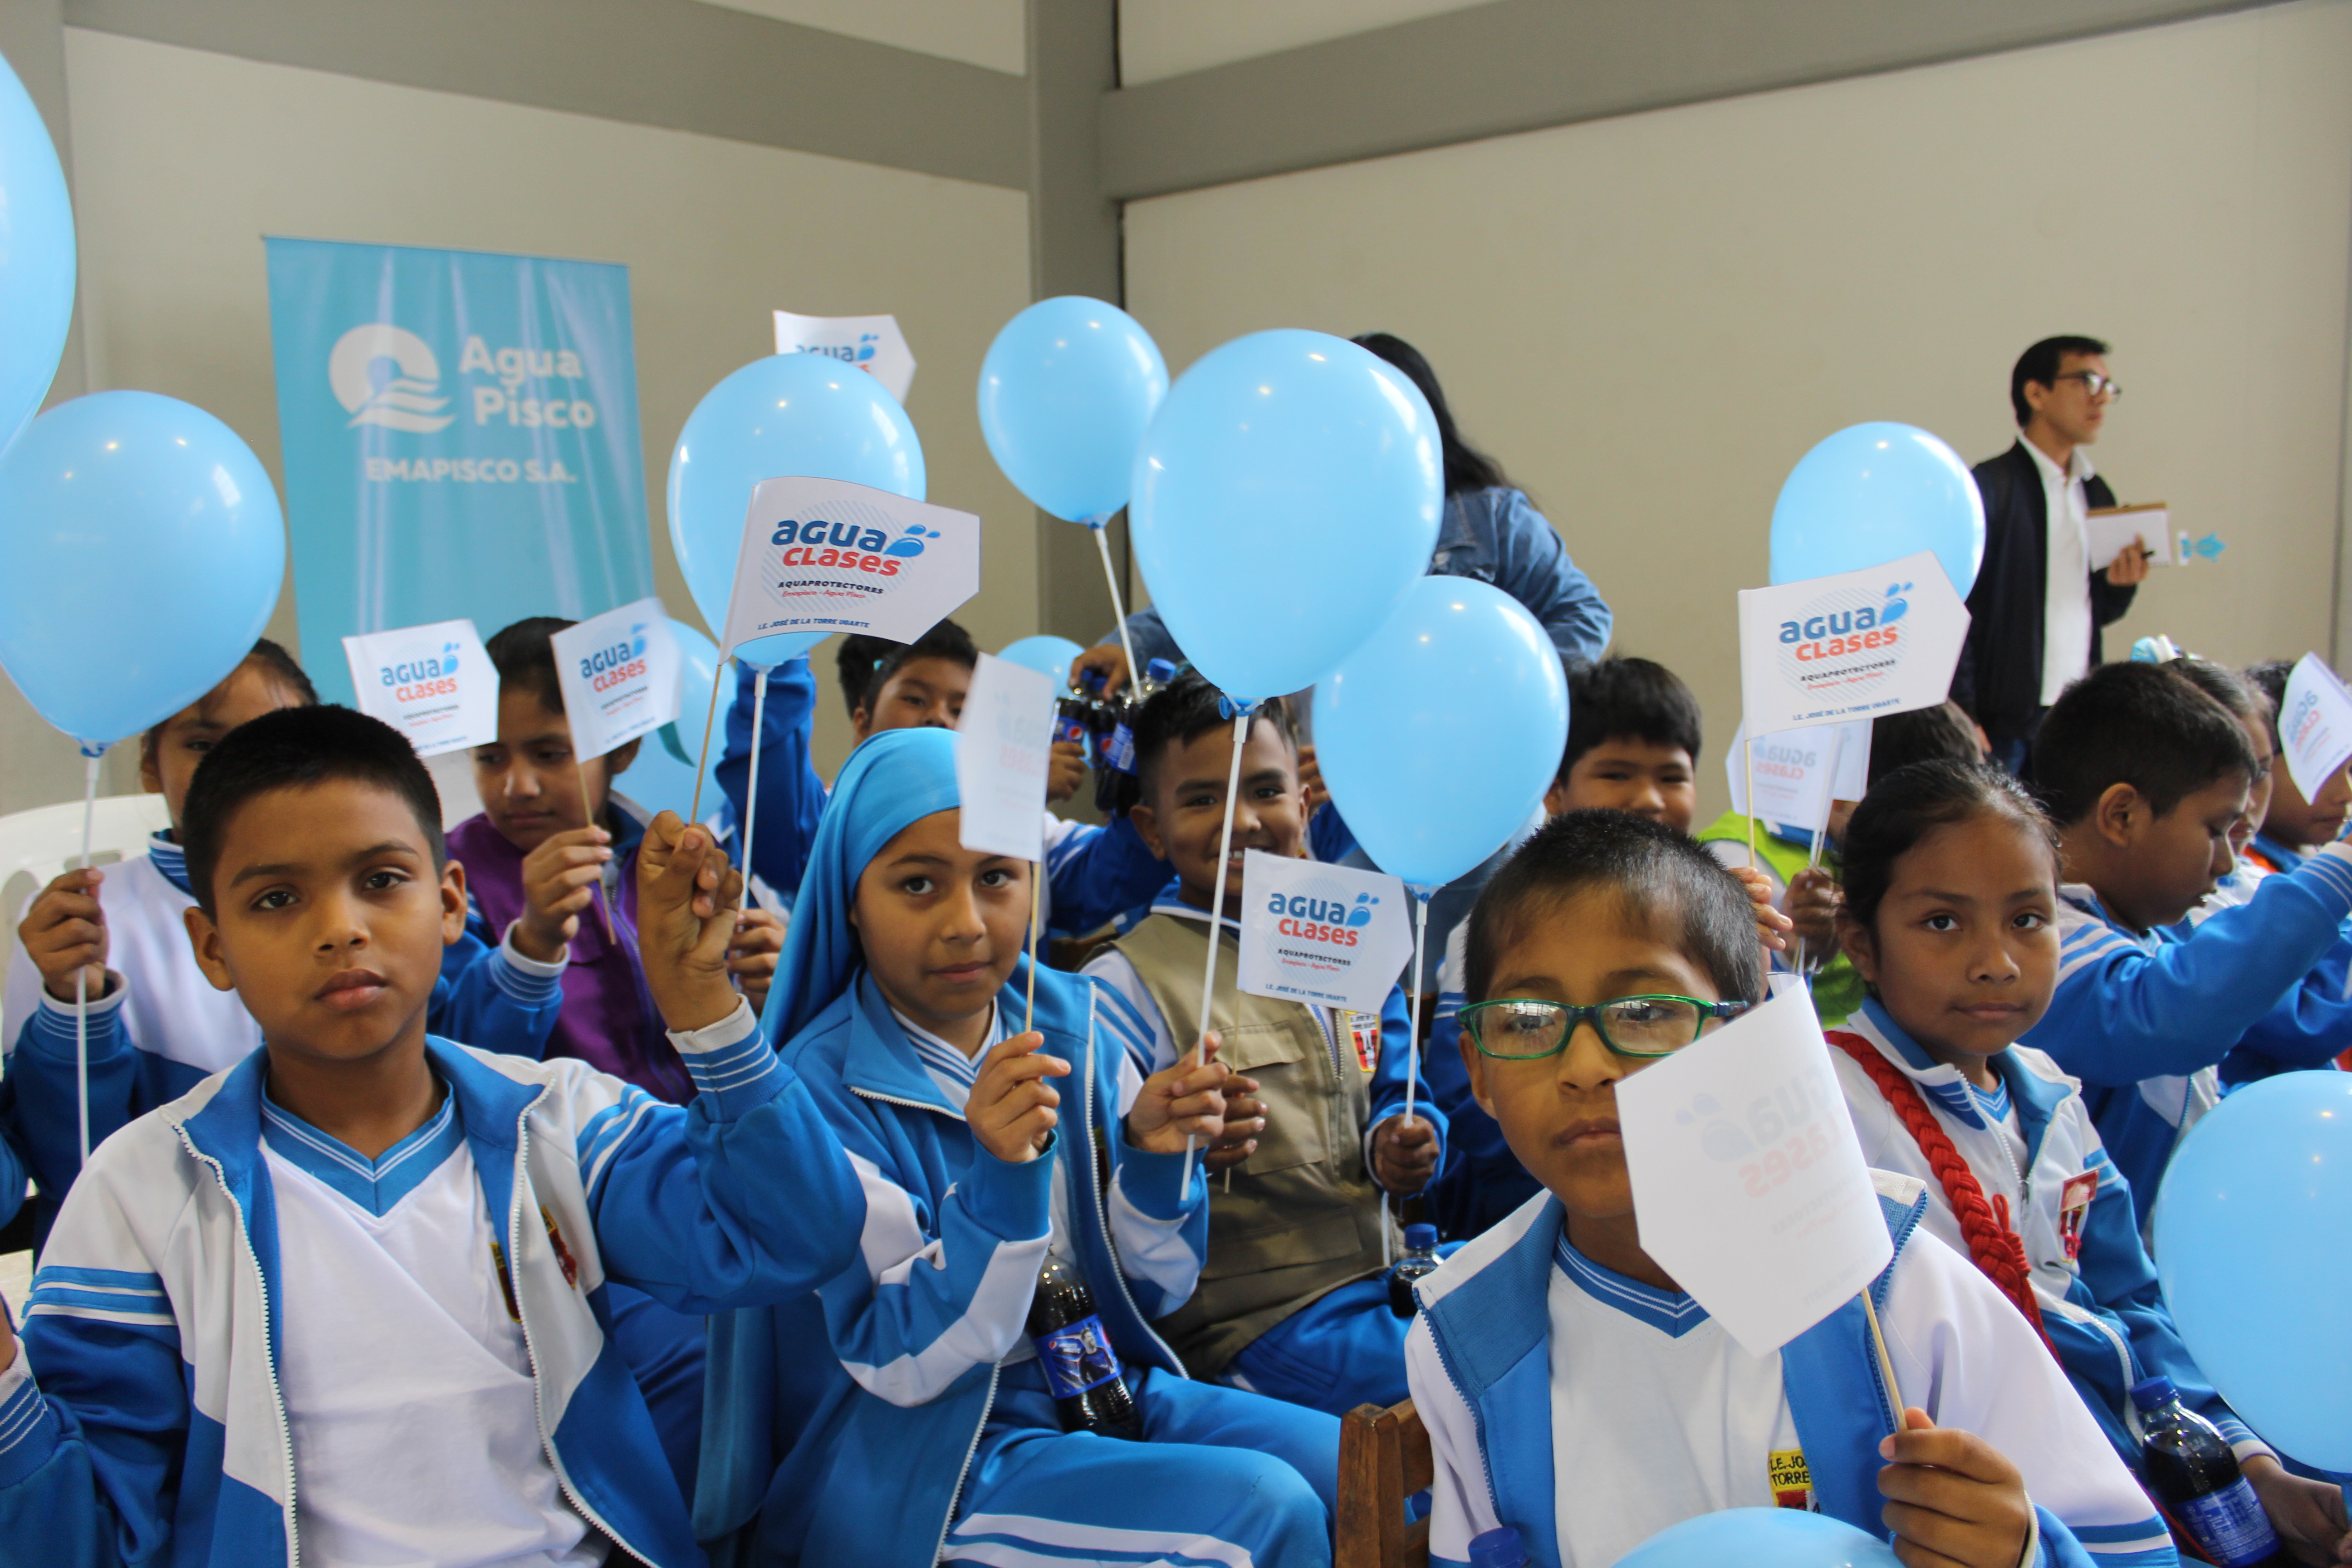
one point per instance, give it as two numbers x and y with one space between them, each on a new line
1420 1258
1499 1547
1073 1348
2196 1478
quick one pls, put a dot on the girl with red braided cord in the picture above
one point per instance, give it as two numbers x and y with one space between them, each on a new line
1951 915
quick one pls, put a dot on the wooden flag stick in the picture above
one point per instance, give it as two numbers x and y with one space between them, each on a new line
1885 1361
1036 913
702 760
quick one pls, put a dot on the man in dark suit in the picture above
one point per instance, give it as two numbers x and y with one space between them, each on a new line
2037 605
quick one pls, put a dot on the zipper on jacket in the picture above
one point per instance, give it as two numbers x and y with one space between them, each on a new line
519 1183
2093 1321
909 1104
963 1471
269 1355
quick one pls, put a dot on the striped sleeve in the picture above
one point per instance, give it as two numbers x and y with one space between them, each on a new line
1159 1227
1126 1011
732 1064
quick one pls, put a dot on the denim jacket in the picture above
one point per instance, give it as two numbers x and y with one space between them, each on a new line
1497 536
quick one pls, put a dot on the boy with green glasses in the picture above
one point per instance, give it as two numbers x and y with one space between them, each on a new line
1573 1392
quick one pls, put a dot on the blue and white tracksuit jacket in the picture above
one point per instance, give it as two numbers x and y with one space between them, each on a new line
2094 1280
1092 873
1480 1361
953 1243
2143 1021
165 1029
2312 1024
143 1421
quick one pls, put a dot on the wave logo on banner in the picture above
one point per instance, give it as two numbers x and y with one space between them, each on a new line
387 375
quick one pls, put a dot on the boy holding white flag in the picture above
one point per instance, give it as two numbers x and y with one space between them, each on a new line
1574 1390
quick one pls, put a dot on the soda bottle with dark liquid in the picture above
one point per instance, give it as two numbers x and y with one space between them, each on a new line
2189 1467
1420 1258
1073 1348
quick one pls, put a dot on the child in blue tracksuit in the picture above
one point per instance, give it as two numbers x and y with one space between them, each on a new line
349 1299
1573 1392
156 1027
2145 777
985 1151
1294 1302
1950 914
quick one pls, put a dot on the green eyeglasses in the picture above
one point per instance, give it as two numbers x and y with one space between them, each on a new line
1520 1028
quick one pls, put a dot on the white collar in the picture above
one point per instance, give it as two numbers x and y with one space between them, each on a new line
2078 464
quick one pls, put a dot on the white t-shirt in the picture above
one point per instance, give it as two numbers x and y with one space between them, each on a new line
2066 598
408 1388
1656 1413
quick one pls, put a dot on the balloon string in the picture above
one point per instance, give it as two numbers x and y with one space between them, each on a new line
1805 964
694 811
751 785
1217 915
1117 604
1747 753
1412 1042
82 973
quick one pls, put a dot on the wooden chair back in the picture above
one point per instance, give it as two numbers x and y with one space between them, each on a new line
1384 1459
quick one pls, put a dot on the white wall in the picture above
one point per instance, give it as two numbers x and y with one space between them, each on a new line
992 33
1649 320
1168 37
183 160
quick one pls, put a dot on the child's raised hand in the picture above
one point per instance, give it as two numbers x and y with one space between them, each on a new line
2308 1515
1067 771
1310 778
752 956
1813 900
1405 1155
1012 1107
1182 1102
558 883
64 931
1953 1499
1771 925
1107 659
687 894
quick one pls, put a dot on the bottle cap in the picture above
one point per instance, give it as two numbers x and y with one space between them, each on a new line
1158 671
2150 1392
1421 1236
1498 1548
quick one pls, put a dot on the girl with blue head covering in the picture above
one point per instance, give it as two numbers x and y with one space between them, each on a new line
986 1151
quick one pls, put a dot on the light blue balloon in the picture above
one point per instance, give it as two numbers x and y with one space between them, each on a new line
1873 494
1438 737
141 553
1761 1538
2252 1212
787 415
662 776
1065 395
1286 496
36 257
1049 655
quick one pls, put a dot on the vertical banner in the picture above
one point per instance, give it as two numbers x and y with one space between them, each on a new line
460 435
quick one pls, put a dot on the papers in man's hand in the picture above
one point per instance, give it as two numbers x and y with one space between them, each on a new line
2107 529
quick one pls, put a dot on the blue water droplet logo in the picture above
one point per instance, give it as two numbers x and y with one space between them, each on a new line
912 544
1894 609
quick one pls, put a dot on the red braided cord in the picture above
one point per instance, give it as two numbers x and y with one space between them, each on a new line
1994 1247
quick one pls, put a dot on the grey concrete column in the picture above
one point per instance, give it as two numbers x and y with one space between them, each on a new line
1074 248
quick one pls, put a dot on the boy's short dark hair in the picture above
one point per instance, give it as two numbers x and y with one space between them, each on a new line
1656 874
2040 364
1185 710
296 748
1941 733
524 656
2135 724
864 663
1635 699
2246 702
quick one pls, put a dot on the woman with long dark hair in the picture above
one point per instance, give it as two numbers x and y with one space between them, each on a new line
1490 531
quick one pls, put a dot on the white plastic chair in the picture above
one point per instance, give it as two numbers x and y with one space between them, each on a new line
39 845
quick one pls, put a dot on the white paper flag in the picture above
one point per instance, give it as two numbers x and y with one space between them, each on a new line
821 555
1749 1184
1794 767
1322 933
870 343
433 683
2315 725
1851 646
619 675
1004 749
